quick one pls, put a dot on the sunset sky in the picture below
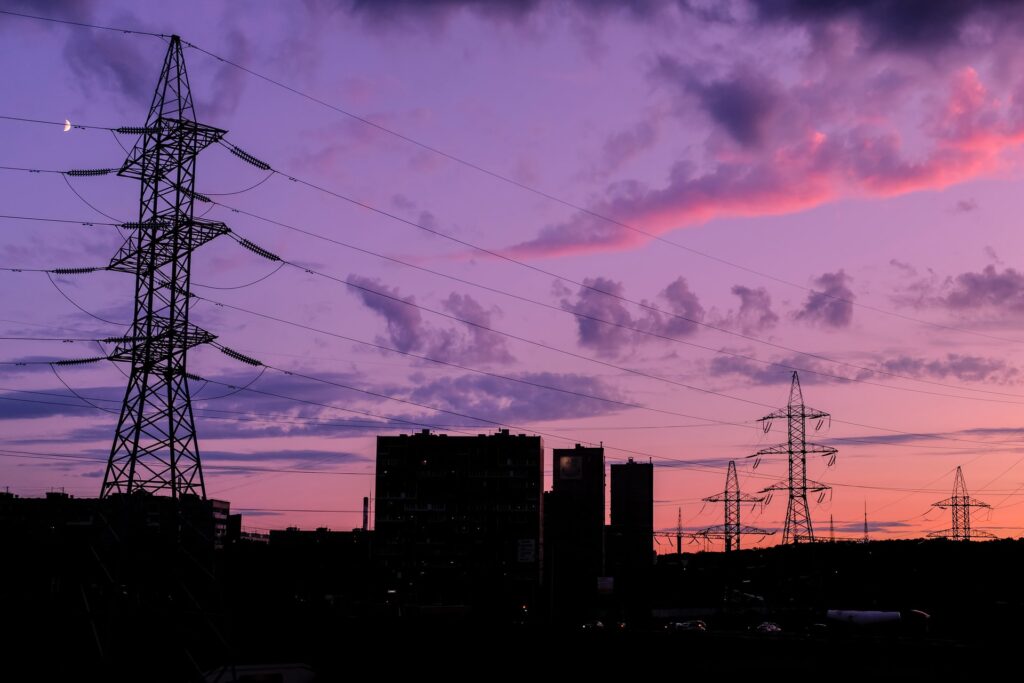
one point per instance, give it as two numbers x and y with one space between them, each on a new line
829 187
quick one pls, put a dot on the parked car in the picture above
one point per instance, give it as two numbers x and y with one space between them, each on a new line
768 627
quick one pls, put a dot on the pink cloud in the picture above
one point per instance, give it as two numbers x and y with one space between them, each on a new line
965 135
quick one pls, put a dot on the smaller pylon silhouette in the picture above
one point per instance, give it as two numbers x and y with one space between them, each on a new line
679 532
960 504
732 498
831 530
866 539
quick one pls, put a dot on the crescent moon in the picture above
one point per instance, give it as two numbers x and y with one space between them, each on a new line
67 125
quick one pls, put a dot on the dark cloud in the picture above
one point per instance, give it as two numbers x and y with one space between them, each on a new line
989 288
404 323
58 9
17 406
595 310
965 368
740 103
514 403
481 345
607 340
294 457
685 307
110 62
917 25
965 206
227 83
991 293
903 267
394 9
230 462
516 11
780 372
755 313
831 303
1002 435
220 412
856 527
400 201
409 333
626 144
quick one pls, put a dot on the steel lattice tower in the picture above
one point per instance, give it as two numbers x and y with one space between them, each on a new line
732 498
155 447
798 517
960 504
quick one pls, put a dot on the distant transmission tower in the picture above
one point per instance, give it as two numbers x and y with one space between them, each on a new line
679 531
155 447
960 504
866 539
798 516
732 498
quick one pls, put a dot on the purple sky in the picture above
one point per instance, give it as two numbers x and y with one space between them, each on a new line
830 152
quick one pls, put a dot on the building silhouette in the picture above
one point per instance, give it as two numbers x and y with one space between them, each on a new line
458 521
574 531
629 537
632 519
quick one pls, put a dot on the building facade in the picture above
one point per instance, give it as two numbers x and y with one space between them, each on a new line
574 531
458 520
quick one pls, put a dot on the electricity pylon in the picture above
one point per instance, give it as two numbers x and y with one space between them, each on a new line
798 517
155 447
960 504
732 498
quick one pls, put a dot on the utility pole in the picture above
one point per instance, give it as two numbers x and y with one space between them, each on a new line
155 447
798 517
732 498
960 504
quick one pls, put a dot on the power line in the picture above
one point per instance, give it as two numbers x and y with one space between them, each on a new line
276 417
260 251
6 452
679 462
23 119
578 207
540 344
632 328
87 224
509 180
649 333
83 24
438 361
498 375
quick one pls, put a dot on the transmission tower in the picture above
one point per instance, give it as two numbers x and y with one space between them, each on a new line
732 499
960 504
798 517
155 447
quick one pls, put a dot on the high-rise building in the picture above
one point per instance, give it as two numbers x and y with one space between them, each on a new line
574 530
629 541
632 525
458 519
